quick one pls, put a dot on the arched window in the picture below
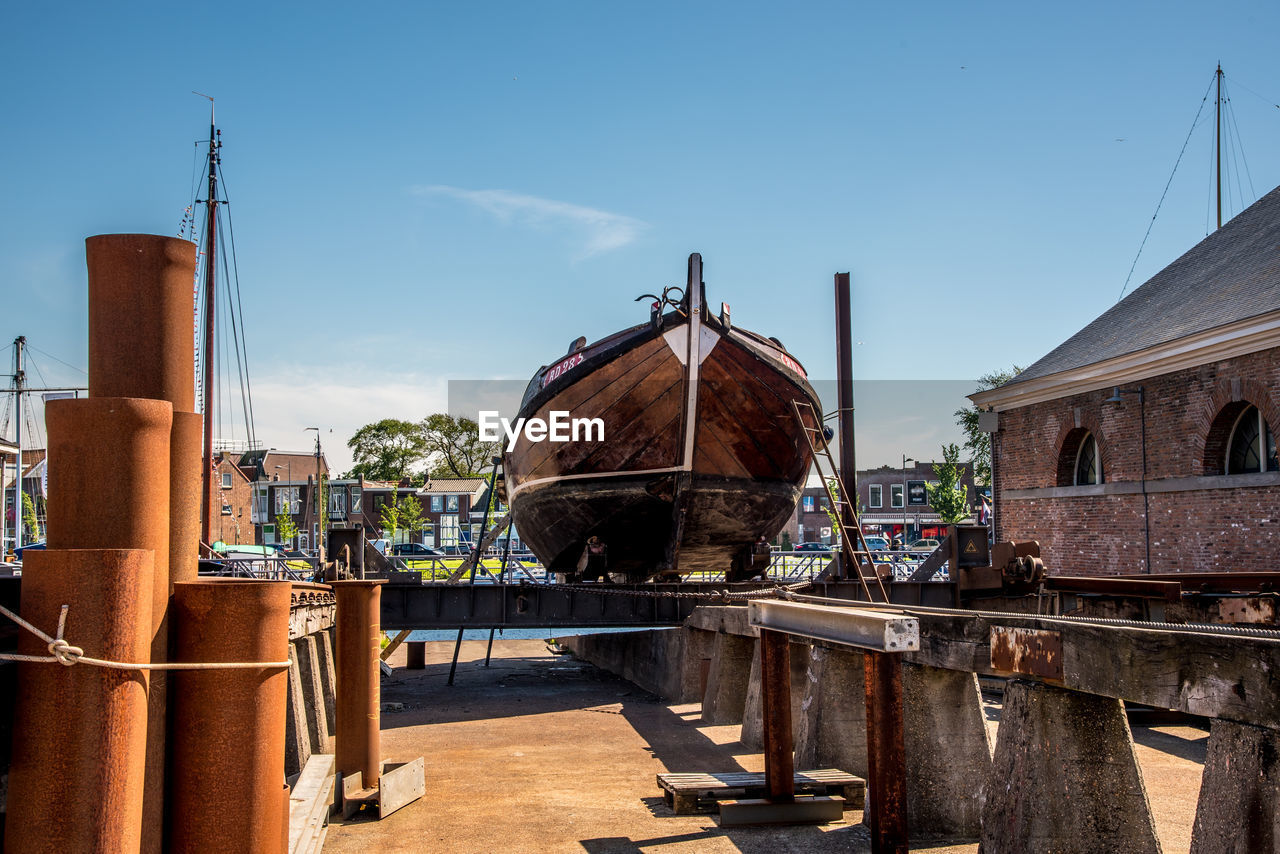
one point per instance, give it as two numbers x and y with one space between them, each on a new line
1088 468
1252 446
1079 459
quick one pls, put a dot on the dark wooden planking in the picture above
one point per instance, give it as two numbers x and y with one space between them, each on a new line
593 396
725 419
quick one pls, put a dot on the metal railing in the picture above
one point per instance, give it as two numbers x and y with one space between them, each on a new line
784 567
271 568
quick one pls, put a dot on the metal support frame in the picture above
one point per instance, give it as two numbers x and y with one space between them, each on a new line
881 634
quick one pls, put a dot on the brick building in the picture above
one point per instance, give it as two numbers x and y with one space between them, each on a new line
892 502
231 497
1144 442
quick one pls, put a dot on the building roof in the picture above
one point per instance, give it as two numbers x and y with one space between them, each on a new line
453 485
293 465
1230 276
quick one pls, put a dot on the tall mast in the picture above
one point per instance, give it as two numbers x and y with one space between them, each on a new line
211 236
19 380
1218 139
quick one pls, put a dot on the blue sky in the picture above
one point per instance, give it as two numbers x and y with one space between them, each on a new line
424 191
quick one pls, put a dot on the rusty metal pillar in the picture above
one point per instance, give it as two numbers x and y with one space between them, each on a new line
76 779
140 315
141 345
228 763
184 497
775 679
121 445
358 740
886 754
844 394
140 311
416 657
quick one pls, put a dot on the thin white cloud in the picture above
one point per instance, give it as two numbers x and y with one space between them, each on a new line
289 401
599 230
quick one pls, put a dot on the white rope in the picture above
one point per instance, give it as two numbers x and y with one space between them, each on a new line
65 654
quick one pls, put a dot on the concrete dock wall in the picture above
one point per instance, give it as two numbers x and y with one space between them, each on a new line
1021 799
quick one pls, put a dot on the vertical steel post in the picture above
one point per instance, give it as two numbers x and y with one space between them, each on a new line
775 684
229 724
76 780
886 754
358 715
844 383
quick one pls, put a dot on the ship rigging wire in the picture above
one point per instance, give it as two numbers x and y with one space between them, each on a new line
231 344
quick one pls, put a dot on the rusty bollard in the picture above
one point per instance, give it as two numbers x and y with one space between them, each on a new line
123 442
228 725
80 732
140 315
358 740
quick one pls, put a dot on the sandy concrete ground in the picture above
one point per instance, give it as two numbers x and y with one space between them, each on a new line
543 753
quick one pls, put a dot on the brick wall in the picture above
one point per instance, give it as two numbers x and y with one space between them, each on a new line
1194 527
236 526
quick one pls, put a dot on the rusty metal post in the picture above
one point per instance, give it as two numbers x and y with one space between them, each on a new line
417 656
228 756
358 739
140 314
184 497
775 689
844 394
123 443
79 751
886 754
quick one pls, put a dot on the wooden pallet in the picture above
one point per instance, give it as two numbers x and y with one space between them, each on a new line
692 793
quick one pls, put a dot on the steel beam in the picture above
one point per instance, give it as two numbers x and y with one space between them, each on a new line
877 631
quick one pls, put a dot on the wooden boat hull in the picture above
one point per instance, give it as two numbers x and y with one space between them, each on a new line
702 455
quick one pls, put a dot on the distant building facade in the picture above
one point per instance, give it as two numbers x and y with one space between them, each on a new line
892 502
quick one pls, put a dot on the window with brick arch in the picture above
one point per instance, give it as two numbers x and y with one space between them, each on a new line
1079 459
1252 445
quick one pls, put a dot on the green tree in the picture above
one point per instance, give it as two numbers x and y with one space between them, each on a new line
387 450
455 447
389 516
409 514
949 498
977 442
29 518
286 528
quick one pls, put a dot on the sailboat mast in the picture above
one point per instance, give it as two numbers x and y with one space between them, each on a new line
1218 139
206 516
19 380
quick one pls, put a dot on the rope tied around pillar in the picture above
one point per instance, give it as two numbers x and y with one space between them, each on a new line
64 653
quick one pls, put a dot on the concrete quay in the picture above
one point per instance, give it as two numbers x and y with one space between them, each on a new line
540 752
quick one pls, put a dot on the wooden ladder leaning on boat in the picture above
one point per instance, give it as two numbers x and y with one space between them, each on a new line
854 551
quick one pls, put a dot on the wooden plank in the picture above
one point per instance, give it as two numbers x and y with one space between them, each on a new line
401 637
309 801
688 793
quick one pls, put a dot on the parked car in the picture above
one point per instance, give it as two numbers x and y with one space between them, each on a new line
925 546
35 547
876 543
813 547
414 550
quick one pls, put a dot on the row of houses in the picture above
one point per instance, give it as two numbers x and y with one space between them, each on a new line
892 502
255 493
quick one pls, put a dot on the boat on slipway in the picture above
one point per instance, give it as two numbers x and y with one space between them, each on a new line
703 455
